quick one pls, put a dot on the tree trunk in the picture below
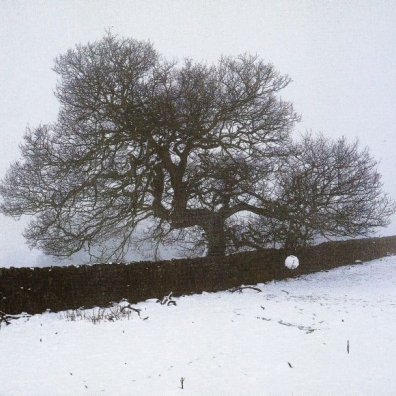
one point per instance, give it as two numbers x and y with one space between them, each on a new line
214 230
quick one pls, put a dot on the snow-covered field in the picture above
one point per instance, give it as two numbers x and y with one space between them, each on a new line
290 339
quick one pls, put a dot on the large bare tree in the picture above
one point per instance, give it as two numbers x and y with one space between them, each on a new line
195 152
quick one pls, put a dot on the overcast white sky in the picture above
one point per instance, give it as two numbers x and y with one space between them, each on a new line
341 56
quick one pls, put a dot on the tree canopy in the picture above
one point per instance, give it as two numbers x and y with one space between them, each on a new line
195 153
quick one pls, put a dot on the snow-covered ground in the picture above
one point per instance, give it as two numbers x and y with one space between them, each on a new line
290 339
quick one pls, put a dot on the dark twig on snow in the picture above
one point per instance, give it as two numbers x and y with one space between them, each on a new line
266 319
133 309
241 288
167 300
6 318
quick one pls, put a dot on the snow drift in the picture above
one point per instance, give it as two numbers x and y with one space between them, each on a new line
325 333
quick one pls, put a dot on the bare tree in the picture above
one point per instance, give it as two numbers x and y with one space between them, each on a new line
190 150
330 190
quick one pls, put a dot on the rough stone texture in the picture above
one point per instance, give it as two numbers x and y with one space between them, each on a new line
33 290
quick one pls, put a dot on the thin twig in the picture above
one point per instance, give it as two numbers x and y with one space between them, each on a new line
133 309
241 288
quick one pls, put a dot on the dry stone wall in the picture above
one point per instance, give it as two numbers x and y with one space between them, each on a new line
34 290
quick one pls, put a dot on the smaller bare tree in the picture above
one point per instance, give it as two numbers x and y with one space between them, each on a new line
330 189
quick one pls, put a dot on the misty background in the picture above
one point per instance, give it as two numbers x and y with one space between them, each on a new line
341 56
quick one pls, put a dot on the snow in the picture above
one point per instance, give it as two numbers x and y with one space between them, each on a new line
292 262
289 339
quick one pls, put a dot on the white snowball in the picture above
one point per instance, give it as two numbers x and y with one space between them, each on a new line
292 262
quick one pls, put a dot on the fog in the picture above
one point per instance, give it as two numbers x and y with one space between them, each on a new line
341 56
